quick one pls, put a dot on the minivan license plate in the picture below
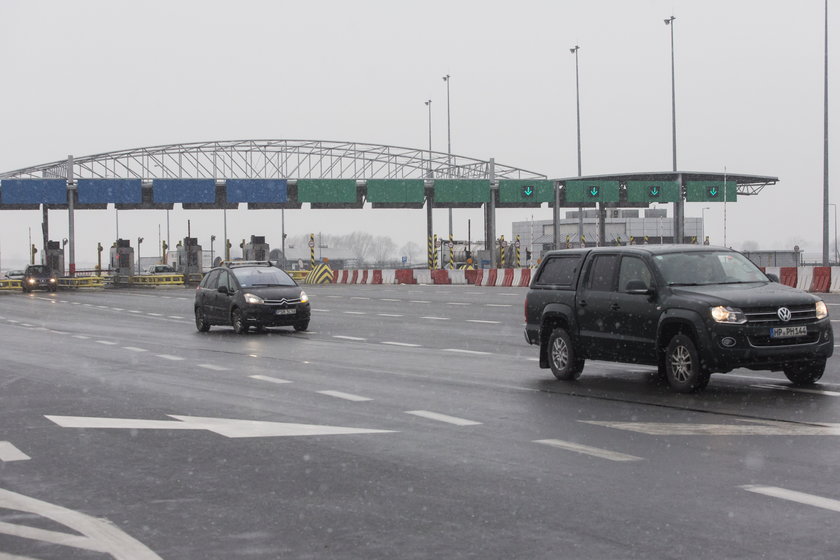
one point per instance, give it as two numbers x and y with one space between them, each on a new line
286 311
788 332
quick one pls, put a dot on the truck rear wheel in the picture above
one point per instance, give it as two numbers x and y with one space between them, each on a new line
805 373
565 365
683 370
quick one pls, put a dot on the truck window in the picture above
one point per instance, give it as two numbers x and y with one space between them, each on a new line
559 271
602 273
633 268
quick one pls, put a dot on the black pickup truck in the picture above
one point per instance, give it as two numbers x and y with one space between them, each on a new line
689 310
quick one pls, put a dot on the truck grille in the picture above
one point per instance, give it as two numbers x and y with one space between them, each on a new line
770 315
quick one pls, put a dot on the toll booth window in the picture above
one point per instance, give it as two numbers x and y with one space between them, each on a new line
633 268
265 276
602 273
558 271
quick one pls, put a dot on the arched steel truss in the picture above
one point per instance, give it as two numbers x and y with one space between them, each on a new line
273 159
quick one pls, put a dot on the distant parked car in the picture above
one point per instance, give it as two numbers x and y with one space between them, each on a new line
160 269
39 277
14 275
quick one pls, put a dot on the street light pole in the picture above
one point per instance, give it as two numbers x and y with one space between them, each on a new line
825 148
448 144
679 205
574 51
836 249
429 105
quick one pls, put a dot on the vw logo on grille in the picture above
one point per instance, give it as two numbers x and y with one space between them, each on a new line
784 314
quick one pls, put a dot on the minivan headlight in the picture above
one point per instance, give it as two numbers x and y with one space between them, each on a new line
251 298
303 297
731 315
822 310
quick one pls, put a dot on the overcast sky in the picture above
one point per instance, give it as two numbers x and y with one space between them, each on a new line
83 77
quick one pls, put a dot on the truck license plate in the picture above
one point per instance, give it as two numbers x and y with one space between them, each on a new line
286 311
788 332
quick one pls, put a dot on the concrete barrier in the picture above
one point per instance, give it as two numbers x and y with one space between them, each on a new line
822 280
834 287
804 277
440 277
389 276
457 277
423 276
521 277
788 276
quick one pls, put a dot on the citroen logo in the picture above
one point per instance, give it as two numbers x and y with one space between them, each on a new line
784 314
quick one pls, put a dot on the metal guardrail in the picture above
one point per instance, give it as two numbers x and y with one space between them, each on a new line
82 282
297 275
10 284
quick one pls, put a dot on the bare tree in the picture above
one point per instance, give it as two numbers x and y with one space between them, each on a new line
383 249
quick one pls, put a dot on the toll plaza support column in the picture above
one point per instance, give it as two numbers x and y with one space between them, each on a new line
679 212
45 230
429 234
490 216
71 222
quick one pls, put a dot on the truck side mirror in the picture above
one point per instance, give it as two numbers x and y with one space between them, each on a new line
637 287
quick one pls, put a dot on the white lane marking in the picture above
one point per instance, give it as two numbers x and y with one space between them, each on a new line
345 396
498 305
134 349
389 299
81 336
533 359
407 344
269 379
102 306
75 303
442 418
174 316
169 357
26 325
106 342
322 310
333 297
214 367
349 337
587 450
484 322
9 452
799 390
91 534
58 332
749 428
155 314
388 315
794 496
227 427
355 312
12 321
458 303
134 311
418 301
509 294
117 309
462 351
359 297
436 318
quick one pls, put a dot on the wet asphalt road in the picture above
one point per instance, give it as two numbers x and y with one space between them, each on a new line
409 422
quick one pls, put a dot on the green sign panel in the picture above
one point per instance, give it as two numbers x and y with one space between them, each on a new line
335 191
462 190
653 191
591 191
711 191
517 190
395 191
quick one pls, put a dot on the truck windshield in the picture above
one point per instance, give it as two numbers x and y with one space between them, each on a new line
707 267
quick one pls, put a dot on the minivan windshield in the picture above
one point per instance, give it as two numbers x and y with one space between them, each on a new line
264 276
707 267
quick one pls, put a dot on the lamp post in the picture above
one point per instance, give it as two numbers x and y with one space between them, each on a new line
574 50
825 151
836 250
429 105
139 241
212 239
679 205
448 144
703 222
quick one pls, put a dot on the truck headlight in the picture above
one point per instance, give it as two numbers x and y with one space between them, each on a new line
822 310
731 315
251 298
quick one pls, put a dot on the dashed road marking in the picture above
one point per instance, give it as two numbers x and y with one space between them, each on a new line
155 314
9 452
418 301
483 322
389 299
345 396
794 496
170 357
134 349
389 315
175 317
134 311
81 336
356 338
269 379
587 450
458 303
214 367
436 318
463 351
498 305
355 313
799 390
442 418
407 344
106 342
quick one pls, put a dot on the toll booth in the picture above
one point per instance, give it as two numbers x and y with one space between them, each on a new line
55 257
189 257
256 250
122 258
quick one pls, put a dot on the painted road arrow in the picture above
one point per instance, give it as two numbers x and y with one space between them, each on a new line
227 427
749 428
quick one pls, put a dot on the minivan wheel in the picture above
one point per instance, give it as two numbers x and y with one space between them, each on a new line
302 326
561 356
683 370
238 323
805 373
201 321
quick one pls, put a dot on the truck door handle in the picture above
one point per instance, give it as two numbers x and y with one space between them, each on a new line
614 307
582 303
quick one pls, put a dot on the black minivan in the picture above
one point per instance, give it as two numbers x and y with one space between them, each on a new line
250 294
38 277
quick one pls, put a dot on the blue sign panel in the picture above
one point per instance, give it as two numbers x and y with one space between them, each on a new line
102 191
34 191
184 190
257 190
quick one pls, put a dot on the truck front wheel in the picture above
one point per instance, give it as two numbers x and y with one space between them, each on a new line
683 370
565 365
805 373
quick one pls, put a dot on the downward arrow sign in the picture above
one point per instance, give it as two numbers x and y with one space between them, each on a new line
227 427
713 192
